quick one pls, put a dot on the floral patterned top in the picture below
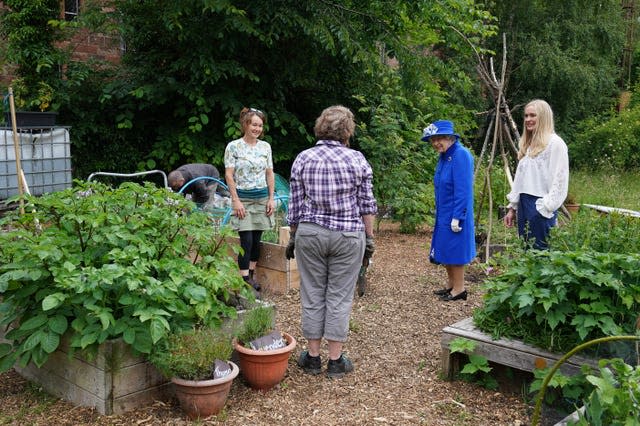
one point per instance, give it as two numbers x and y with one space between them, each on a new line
249 163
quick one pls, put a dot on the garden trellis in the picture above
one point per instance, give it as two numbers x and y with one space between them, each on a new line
500 137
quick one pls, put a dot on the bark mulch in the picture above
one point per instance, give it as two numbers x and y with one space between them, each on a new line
394 344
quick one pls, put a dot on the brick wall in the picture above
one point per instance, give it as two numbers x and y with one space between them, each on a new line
84 46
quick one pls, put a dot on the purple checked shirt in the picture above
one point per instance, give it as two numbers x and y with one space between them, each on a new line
332 186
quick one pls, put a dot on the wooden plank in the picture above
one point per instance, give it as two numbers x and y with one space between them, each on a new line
144 397
284 234
59 367
128 380
272 257
272 281
512 353
59 386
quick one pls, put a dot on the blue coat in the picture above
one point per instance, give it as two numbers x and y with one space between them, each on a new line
453 183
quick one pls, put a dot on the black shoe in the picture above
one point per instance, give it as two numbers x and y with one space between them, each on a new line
310 364
336 369
442 292
256 286
252 283
450 298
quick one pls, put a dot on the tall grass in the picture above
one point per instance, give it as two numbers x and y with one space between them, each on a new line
606 188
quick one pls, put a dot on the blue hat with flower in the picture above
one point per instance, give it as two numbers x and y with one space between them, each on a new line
439 128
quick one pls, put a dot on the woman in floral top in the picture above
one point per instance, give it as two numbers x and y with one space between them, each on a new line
249 174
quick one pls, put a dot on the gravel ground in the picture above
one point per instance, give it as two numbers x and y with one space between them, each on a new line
394 344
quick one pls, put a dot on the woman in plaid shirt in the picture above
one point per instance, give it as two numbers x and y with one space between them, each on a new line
331 214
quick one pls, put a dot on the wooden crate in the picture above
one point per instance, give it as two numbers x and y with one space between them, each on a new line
512 353
113 383
274 272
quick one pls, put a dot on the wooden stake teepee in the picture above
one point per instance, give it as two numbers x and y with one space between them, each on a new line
501 134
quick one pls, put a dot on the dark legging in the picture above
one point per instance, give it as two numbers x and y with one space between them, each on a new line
250 243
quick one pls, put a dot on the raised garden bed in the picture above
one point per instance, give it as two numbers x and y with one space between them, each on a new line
114 382
511 353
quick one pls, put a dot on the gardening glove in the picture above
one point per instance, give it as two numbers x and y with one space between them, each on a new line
291 245
369 248
455 225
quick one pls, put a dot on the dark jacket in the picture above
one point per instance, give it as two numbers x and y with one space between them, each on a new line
201 189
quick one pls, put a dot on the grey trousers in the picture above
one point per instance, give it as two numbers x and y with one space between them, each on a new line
328 262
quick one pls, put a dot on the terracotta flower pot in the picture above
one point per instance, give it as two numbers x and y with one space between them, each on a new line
264 369
572 208
204 398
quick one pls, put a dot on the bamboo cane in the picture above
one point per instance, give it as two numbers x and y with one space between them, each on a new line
16 147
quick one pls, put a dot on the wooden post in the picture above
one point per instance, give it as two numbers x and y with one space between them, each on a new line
16 146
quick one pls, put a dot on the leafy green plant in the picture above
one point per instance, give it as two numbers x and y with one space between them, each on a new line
609 142
554 300
535 418
477 369
191 354
615 399
32 33
257 322
98 263
566 391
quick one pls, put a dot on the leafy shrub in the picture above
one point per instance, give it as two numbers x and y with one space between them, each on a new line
403 166
612 143
586 286
590 230
555 300
102 263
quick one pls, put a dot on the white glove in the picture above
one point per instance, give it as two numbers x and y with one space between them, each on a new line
455 225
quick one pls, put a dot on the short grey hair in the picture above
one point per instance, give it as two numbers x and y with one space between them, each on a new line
335 123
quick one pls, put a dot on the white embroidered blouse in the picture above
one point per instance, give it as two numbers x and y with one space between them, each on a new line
545 176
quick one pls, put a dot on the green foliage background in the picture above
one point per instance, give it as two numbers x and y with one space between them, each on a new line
188 68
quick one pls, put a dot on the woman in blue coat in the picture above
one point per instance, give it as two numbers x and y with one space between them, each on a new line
453 242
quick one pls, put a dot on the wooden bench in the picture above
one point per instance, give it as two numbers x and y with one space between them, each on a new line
512 353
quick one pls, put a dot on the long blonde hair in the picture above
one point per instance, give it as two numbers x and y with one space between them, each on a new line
537 140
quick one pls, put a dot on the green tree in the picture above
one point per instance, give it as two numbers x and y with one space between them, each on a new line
566 52
31 48
190 66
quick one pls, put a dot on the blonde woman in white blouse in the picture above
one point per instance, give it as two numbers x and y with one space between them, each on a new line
542 177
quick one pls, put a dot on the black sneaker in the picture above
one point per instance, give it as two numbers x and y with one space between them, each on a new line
310 364
336 369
